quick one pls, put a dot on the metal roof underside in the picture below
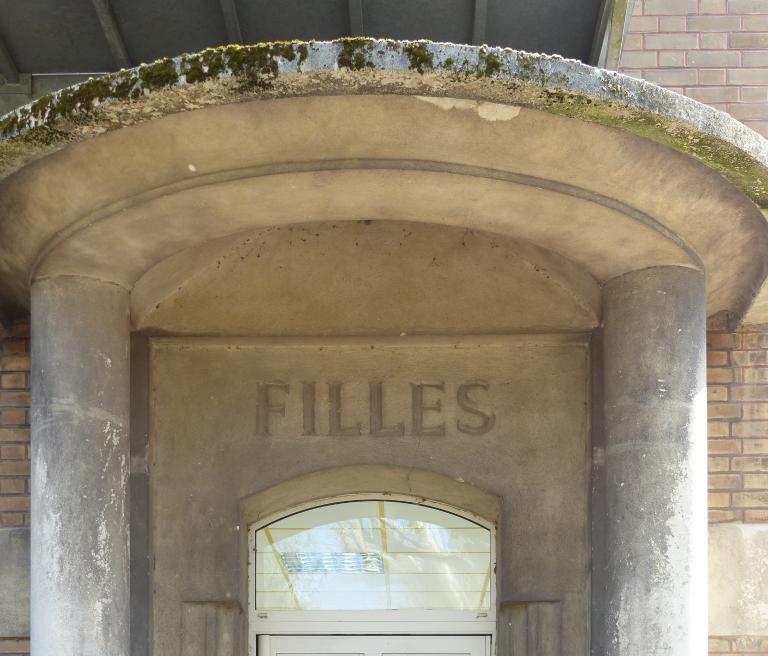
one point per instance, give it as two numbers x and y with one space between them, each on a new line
77 36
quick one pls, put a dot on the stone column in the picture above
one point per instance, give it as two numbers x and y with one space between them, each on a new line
654 600
80 462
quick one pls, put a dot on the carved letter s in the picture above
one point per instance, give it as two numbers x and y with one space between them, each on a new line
488 419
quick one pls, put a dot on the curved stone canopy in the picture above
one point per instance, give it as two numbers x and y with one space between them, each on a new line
562 163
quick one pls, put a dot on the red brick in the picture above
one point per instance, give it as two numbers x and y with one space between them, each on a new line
729 481
754 411
724 410
673 59
755 446
752 375
748 40
754 482
718 463
13 381
14 346
755 23
644 24
748 358
639 59
711 76
13 452
13 486
716 500
751 644
671 76
721 321
672 24
717 393
670 7
14 504
14 435
714 94
750 429
712 6
14 468
714 23
724 446
13 416
749 463
719 516
12 646
755 94
749 392
717 358
725 375
754 341
14 363
718 429
756 516
749 499
633 41
11 519
719 645
21 399
19 329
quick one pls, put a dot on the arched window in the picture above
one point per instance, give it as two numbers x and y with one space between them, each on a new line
379 560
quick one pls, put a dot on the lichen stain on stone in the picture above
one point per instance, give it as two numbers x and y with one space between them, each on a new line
360 65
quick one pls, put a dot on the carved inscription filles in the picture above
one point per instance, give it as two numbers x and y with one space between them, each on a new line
320 408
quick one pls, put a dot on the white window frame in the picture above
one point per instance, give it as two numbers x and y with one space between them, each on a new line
374 622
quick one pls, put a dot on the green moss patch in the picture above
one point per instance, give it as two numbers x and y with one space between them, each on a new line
419 57
355 53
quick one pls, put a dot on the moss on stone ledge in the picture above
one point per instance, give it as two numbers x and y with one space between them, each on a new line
361 65
261 59
419 56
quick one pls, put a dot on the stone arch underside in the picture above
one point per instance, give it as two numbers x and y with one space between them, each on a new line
364 277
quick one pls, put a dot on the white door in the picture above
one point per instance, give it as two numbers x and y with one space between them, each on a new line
374 645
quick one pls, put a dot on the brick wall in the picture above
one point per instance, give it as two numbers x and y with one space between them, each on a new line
737 392
715 51
737 646
14 427
14 443
738 426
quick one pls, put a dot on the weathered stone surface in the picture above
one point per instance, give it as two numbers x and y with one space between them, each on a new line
210 628
609 201
530 629
651 594
207 453
365 277
80 465
738 579
14 582
627 174
616 94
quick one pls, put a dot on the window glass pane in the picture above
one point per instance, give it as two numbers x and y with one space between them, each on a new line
373 555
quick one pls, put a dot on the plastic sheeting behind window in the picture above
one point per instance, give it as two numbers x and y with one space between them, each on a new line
373 555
